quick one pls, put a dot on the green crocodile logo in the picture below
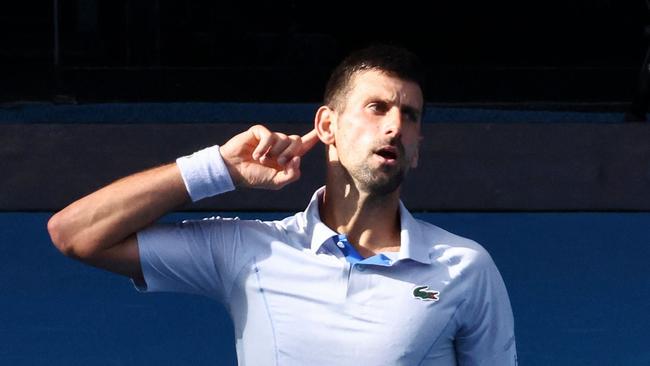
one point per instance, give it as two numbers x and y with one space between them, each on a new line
423 293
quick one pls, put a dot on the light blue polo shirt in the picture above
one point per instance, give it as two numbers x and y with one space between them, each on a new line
299 294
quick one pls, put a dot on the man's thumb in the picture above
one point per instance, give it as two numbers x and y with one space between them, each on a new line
291 173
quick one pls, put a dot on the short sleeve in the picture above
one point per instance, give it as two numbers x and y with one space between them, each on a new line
486 336
194 257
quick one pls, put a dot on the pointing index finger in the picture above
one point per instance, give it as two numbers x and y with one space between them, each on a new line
309 140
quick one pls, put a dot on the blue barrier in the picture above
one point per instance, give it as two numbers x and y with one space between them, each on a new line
196 112
578 283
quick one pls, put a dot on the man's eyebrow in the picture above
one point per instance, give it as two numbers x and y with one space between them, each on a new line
417 112
378 98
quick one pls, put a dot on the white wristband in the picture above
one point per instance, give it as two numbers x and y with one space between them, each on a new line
205 174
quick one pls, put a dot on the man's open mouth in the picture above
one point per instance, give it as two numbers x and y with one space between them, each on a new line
388 153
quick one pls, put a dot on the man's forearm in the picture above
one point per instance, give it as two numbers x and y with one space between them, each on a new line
100 228
106 217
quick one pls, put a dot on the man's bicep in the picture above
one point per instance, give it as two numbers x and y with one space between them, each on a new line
123 259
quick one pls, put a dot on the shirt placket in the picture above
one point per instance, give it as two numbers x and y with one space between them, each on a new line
357 265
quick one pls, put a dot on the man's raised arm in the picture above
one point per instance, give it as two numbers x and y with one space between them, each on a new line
100 229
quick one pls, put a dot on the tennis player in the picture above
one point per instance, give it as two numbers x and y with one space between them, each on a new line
353 279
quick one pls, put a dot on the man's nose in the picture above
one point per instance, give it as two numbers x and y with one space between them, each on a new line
393 123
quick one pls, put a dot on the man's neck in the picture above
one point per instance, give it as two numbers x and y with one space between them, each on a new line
371 223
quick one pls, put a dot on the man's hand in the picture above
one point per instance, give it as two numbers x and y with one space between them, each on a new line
259 158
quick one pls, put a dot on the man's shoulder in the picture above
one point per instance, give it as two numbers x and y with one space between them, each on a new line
445 246
434 234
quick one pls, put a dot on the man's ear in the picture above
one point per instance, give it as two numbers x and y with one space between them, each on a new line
325 124
414 159
416 156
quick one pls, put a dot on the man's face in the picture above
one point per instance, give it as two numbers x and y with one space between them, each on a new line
378 130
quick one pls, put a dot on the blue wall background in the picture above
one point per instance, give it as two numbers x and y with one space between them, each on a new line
579 285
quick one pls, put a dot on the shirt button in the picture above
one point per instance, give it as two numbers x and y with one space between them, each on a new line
360 268
340 244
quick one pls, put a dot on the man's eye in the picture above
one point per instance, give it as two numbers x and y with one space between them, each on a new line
377 107
411 116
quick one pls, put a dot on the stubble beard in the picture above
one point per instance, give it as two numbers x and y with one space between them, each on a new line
379 181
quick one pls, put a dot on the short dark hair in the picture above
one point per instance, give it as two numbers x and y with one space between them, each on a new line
393 60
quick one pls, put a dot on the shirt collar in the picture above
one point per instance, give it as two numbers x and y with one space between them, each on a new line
412 243
320 232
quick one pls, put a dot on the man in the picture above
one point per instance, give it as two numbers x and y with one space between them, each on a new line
352 279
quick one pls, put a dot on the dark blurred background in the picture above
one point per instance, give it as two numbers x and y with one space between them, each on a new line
586 53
